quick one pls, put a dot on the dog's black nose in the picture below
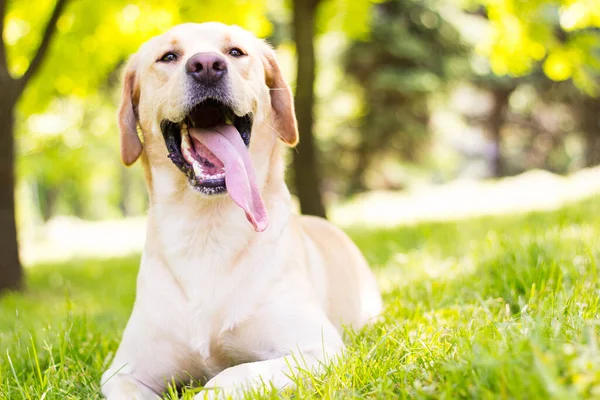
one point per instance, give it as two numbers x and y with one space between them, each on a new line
207 68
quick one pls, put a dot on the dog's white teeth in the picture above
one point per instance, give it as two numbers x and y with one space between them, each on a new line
185 139
228 120
197 169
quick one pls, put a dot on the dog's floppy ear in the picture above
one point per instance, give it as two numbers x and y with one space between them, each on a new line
282 100
131 145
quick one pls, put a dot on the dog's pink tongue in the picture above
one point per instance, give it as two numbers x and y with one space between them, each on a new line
225 142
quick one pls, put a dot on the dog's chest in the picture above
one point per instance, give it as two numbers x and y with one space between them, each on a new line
223 285
221 271
217 303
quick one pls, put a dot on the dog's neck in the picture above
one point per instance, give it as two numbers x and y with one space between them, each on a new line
183 223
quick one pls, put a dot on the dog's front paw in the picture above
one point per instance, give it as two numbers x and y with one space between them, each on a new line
214 393
125 387
229 384
131 391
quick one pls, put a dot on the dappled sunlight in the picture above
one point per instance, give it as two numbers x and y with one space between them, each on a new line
531 191
499 315
416 266
448 332
64 238
467 303
63 298
499 266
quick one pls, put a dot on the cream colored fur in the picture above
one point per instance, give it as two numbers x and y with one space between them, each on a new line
216 301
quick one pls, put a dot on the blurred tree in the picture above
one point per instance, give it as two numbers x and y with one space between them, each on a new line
589 112
311 18
306 169
501 96
11 272
536 116
500 89
411 53
560 36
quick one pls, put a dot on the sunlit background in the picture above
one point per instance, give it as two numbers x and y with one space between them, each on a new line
457 142
420 106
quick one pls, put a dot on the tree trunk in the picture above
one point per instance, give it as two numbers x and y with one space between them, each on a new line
591 127
496 122
357 183
306 169
11 272
592 148
47 196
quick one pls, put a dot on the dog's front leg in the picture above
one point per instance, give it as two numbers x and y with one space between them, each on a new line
278 372
148 358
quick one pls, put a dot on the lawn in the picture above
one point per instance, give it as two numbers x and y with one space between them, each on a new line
502 307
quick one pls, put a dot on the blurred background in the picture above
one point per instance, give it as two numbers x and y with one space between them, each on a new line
408 110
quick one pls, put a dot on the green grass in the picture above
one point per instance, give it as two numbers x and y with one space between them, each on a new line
487 308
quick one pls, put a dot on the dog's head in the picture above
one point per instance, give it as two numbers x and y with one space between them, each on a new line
201 94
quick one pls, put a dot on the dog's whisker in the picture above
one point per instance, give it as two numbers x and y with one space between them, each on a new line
274 130
278 134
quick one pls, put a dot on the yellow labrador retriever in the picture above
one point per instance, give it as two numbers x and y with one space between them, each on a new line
233 289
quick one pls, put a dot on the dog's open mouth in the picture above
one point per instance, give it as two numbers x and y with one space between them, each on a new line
210 146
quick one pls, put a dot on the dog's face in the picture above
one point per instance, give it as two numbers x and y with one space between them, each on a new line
201 93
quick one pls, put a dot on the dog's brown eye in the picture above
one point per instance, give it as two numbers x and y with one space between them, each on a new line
168 57
236 52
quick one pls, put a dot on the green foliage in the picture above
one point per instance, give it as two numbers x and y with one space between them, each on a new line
95 37
69 156
351 17
66 128
503 307
562 35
